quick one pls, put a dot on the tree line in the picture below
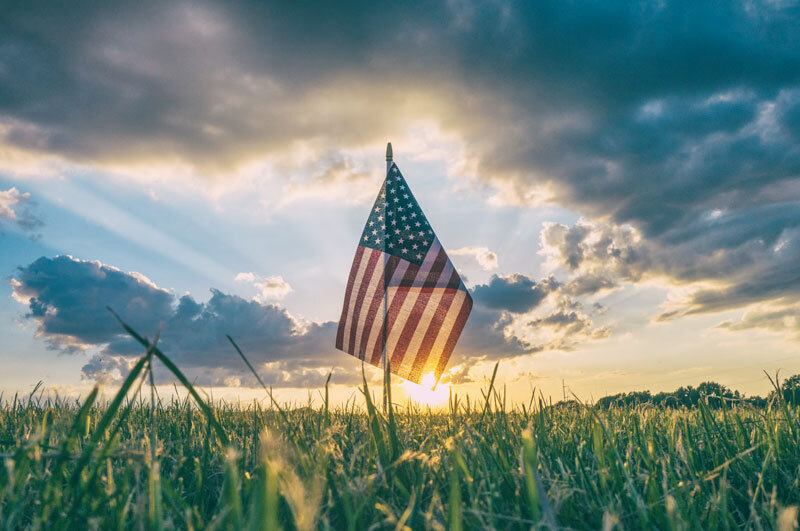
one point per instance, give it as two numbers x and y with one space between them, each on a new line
714 394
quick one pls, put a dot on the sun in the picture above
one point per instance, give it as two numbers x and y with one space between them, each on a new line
425 393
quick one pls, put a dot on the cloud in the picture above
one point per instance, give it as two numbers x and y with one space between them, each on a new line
516 315
485 258
67 297
515 293
67 300
270 289
15 208
674 126
783 319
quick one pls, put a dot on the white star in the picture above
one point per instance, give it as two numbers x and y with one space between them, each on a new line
397 231
405 250
396 200
371 223
403 218
419 256
401 240
402 187
405 196
430 231
377 209
417 224
421 233
408 227
366 238
389 213
394 222
394 169
424 242
414 246
399 209
383 227
377 240
374 232
411 205
391 245
391 190
413 214
380 218
410 236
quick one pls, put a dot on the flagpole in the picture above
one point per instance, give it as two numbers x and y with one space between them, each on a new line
385 263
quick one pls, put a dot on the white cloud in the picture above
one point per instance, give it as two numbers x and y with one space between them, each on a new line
485 258
270 289
8 199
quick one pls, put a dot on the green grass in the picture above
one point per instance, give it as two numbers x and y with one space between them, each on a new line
189 463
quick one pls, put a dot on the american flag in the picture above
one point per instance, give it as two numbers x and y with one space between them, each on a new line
428 304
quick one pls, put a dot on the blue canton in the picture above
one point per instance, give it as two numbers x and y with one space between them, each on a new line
396 224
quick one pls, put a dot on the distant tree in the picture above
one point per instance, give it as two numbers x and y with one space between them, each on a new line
790 388
625 399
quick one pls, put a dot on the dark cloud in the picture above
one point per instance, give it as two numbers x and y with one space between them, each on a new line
67 298
514 293
503 322
675 121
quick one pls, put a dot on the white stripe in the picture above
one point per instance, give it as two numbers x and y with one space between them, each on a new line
362 265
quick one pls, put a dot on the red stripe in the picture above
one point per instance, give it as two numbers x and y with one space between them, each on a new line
374 306
362 288
434 329
420 305
461 320
350 280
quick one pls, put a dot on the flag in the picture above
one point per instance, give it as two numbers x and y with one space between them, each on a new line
400 261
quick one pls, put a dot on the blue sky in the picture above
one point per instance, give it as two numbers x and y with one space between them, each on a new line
637 167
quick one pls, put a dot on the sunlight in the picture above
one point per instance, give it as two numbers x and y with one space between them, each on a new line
425 394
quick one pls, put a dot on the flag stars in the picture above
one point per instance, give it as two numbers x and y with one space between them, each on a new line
374 232
419 256
417 224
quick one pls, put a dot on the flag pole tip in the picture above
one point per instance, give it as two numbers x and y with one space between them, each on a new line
389 152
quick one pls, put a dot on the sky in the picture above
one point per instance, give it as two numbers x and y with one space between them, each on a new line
617 183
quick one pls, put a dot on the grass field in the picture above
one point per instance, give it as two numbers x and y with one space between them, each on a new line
136 462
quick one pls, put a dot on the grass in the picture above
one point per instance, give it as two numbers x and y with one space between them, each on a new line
138 462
